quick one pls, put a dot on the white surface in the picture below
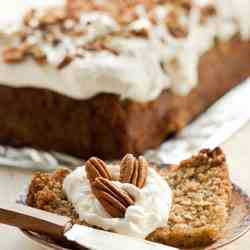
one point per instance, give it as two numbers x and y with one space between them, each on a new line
150 211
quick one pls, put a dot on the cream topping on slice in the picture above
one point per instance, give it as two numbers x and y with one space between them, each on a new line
150 210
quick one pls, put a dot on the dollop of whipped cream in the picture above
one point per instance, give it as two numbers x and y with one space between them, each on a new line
150 211
143 67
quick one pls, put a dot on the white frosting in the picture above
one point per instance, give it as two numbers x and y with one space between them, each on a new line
150 211
144 67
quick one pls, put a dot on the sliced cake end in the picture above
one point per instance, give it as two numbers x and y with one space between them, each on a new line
202 194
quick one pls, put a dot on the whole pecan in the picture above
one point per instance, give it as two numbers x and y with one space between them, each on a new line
95 167
134 170
114 200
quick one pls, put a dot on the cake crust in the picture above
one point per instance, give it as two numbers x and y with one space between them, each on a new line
109 127
202 195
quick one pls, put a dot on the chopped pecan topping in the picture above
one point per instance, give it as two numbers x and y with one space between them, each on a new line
207 11
51 38
76 6
134 170
185 4
175 28
66 61
53 16
127 16
37 54
13 55
64 26
113 199
140 33
152 18
100 44
96 168
16 55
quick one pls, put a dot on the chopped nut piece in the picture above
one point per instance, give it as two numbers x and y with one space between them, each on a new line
16 55
100 44
134 170
185 4
63 25
152 18
22 34
66 61
28 17
207 11
38 54
13 55
140 33
51 38
53 16
175 28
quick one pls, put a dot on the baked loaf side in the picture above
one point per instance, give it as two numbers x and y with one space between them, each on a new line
46 193
109 127
202 195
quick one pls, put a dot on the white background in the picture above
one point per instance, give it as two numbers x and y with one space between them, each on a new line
13 9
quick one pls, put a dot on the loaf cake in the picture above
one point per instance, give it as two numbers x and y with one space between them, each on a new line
109 77
201 191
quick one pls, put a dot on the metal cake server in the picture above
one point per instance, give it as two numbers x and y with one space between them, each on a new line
61 229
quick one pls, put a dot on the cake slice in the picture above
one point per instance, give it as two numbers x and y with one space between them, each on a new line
201 203
202 195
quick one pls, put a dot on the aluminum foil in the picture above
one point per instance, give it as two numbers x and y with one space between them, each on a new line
209 130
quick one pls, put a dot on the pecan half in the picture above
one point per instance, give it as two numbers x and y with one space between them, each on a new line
96 168
114 200
134 170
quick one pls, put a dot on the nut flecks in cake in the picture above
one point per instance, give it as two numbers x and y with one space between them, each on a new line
195 178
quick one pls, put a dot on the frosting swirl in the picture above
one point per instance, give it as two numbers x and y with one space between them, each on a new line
150 211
